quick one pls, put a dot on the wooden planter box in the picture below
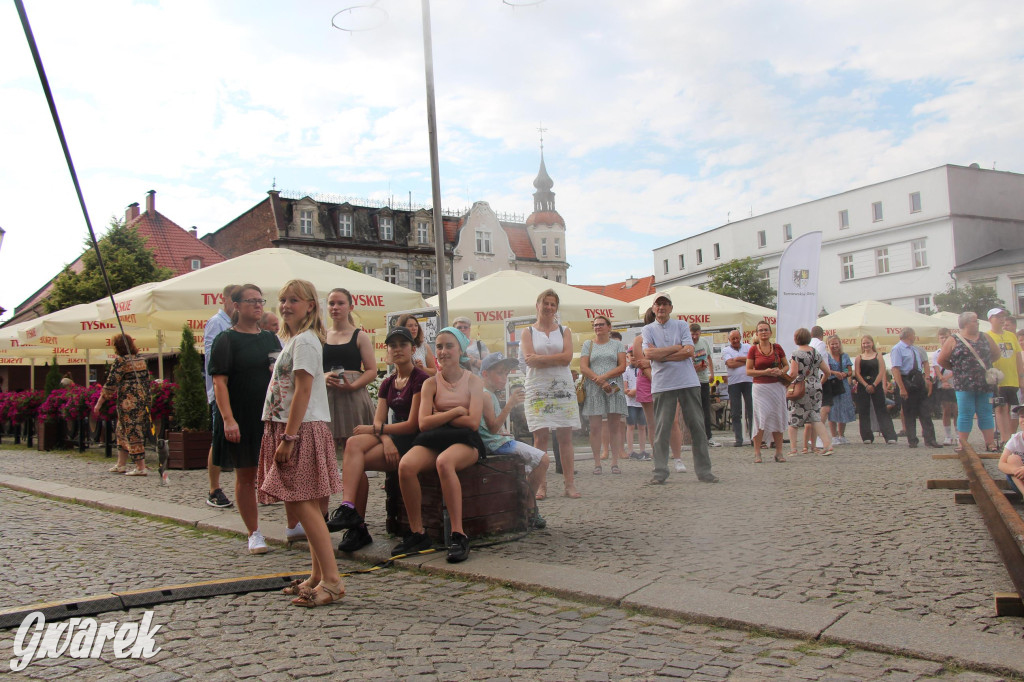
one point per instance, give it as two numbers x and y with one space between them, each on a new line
49 435
495 499
188 449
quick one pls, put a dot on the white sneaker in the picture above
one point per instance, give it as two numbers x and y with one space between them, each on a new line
257 543
296 533
371 474
680 467
713 444
948 441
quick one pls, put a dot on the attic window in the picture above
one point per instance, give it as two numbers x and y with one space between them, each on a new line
196 263
387 228
306 221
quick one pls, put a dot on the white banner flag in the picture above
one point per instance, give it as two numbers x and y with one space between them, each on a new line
798 288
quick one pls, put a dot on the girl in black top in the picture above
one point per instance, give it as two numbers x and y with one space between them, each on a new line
240 363
869 392
349 366
378 446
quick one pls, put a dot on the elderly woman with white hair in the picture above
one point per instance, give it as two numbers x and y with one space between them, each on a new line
969 355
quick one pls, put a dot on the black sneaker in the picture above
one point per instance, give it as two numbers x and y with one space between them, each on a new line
458 550
343 518
355 538
537 521
412 543
710 478
218 499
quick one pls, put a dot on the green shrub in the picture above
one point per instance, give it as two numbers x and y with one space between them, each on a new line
191 411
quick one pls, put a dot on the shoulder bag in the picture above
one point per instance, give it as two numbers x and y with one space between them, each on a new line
992 375
780 362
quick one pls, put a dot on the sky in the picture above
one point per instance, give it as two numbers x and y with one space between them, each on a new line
663 118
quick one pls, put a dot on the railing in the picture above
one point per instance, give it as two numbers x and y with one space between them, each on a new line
328 198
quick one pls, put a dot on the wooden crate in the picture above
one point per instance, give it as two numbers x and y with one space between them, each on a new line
188 449
495 499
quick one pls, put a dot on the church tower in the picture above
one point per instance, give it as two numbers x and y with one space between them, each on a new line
545 226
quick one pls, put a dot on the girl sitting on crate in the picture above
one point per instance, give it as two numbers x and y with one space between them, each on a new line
450 408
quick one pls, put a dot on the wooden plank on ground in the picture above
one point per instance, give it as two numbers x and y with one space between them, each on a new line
988 455
959 484
1012 497
1009 604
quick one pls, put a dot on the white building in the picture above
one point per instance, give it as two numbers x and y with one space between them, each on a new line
896 241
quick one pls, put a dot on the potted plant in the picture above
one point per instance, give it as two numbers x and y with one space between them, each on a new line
76 412
189 444
50 420
21 409
161 408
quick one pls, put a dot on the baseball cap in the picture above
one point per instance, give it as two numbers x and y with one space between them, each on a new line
1017 410
995 311
399 332
663 296
493 360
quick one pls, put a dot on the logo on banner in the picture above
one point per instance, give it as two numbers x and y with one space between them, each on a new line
801 277
82 638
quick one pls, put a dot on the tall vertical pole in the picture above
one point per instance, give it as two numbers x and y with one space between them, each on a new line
435 173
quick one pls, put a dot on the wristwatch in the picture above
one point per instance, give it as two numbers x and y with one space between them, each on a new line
289 438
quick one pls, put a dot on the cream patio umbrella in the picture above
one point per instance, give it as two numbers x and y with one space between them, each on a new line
491 300
709 309
882 321
951 321
194 297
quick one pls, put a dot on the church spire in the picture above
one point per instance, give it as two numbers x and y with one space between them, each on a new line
543 198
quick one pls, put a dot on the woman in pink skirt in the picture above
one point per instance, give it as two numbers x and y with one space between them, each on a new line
297 463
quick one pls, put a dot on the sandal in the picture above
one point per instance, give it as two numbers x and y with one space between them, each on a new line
802 452
117 469
597 470
542 492
616 470
780 458
828 452
758 460
296 587
574 494
324 594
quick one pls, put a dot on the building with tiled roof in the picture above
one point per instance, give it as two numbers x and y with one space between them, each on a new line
628 290
173 247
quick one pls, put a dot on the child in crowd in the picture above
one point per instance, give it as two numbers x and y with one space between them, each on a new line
494 370
1011 462
635 417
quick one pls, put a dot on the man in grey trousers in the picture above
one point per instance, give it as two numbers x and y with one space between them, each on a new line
669 347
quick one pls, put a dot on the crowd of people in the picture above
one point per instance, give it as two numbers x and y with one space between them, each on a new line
288 400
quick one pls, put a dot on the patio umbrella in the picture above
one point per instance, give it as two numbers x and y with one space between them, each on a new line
952 321
882 321
709 309
194 297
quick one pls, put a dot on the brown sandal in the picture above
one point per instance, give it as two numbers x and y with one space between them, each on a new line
780 458
324 594
296 587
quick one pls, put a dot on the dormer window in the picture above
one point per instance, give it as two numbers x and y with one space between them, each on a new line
345 225
196 263
306 221
387 228
422 233
483 241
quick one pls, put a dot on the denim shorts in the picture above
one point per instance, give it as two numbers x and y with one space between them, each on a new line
635 416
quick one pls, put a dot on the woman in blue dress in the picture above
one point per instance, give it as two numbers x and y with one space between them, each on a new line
843 410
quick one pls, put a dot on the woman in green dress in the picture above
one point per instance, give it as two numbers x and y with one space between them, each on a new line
241 361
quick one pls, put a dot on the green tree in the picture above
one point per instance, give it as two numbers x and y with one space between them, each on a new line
128 260
740 278
53 378
352 265
976 299
191 411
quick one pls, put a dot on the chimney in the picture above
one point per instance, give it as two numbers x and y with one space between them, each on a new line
132 212
631 282
151 201
195 232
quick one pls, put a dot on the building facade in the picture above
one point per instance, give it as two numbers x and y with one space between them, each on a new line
898 241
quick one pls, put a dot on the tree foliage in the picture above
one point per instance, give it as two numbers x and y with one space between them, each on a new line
740 278
128 260
53 378
352 265
976 299
191 411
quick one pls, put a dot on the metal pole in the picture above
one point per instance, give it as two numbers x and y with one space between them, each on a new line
435 173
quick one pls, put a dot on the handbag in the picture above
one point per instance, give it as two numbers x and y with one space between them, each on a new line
796 390
581 392
992 375
784 378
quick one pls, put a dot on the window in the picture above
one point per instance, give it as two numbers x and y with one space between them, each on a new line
881 261
762 239
876 212
844 219
345 225
920 255
682 262
915 202
387 228
1018 293
369 269
390 273
306 221
468 276
421 281
923 304
847 267
665 265
558 278
196 263
700 256
544 246
718 251
422 233
787 233
483 241
766 275
558 248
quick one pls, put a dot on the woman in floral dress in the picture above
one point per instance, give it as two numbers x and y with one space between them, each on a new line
129 381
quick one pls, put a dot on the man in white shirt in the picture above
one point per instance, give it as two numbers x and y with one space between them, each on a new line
703 363
741 387
667 344
214 326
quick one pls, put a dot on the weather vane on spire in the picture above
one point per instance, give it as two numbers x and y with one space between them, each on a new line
541 129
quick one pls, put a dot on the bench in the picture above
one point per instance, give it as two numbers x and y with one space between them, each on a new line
495 499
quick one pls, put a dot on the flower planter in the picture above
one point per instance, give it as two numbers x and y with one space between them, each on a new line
188 449
49 435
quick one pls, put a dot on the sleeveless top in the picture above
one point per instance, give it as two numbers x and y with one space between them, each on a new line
448 396
869 369
344 355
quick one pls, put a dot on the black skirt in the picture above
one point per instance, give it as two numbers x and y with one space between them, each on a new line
440 439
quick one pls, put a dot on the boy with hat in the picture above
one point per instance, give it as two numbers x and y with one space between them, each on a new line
1010 364
494 370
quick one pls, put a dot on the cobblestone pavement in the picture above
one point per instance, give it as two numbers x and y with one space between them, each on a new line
391 625
857 531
